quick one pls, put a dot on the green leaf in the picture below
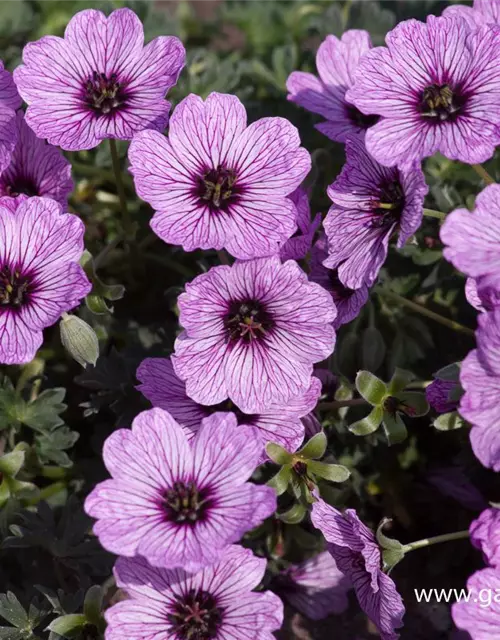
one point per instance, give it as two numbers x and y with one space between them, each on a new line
13 611
331 472
68 626
280 481
373 349
393 550
416 401
11 463
43 413
51 446
394 428
315 447
448 422
278 454
450 373
400 380
369 424
92 606
371 388
9 633
294 515
97 305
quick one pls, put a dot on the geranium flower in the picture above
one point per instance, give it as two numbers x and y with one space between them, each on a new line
279 423
485 535
36 169
9 102
99 81
336 61
436 87
357 554
40 277
176 503
480 615
370 204
438 395
217 602
252 333
217 183
481 298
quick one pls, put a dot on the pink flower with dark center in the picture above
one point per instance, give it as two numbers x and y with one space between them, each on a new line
280 423
40 276
99 81
336 61
217 603
179 503
252 332
36 169
216 183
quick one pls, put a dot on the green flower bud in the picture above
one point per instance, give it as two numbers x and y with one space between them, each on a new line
79 340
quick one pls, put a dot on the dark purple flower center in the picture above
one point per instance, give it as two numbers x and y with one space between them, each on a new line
359 119
104 95
247 320
389 208
228 405
218 187
339 291
14 288
184 503
20 184
196 616
439 102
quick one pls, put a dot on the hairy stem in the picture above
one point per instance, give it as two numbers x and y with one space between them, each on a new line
433 213
427 542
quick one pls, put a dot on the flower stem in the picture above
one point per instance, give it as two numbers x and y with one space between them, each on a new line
482 173
340 404
432 213
427 542
418 308
128 225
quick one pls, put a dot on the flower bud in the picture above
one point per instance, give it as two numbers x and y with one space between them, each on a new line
79 340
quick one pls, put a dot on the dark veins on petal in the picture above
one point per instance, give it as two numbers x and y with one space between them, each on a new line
184 503
14 288
247 320
104 95
389 209
196 616
218 188
439 102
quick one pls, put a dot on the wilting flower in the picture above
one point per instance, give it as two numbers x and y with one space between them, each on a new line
252 333
9 102
36 168
279 423
216 183
40 277
370 203
99 81
436 87
481 12
481 298
348 301
298 246
480 614
485 535
176 503
473 239
480 378
316 587
357 555
438 395
336 61
217 602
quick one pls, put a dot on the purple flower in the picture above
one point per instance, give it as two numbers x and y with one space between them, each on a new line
357 554
473 239
299 245
316 587
436 87
370 204
99 81
336 61
9 102
217 602
483 299
485 535
482 12
252 333
36 169
40 277
176 503
438 393
216 183
348 301
279 423
480 616
480 378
